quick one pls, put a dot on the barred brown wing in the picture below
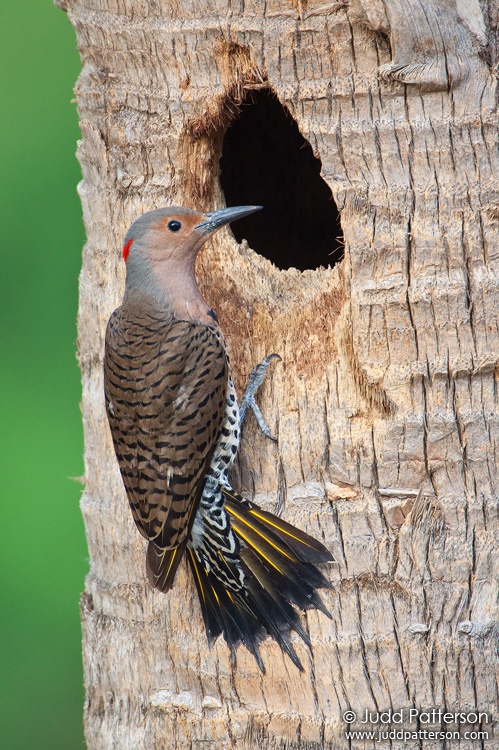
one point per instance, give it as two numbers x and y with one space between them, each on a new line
165 386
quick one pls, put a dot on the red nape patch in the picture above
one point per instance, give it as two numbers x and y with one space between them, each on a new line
126 250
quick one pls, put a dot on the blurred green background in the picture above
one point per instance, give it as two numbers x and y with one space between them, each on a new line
42 550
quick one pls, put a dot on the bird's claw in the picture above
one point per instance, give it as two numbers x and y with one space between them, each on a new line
248 400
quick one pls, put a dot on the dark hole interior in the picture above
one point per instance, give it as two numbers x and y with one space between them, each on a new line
266 161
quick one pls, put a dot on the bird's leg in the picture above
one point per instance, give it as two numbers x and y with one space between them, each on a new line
248 400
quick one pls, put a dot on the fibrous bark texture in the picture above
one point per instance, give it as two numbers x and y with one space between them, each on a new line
385 403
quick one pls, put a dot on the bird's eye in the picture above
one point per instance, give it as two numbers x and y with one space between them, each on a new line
174 225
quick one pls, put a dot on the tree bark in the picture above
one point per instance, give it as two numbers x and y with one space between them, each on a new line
385 403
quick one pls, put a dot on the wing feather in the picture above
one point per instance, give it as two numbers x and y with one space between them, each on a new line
166 387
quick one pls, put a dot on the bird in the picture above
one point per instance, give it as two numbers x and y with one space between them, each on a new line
175 424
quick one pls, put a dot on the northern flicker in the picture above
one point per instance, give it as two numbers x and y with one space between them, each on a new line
175 423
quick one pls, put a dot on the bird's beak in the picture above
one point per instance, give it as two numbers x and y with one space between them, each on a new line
216 219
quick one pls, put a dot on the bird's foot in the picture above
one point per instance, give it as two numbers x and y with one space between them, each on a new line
248 400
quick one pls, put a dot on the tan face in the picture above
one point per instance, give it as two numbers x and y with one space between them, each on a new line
175 237
181 225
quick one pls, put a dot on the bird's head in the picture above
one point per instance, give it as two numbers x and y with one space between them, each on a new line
160 248
175 233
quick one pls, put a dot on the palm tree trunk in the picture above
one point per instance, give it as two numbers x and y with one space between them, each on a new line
385 403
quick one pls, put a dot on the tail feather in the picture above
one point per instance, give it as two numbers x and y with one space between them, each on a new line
278 565
208 603
303 546
286 613
243 617
289 586
292 554
224 613
274 619
297 579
